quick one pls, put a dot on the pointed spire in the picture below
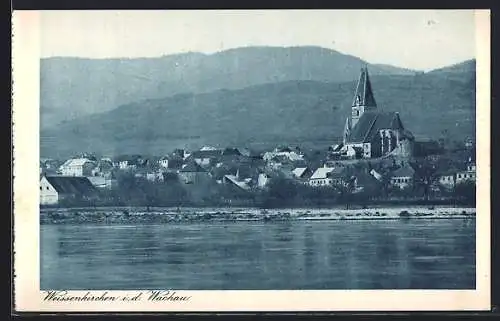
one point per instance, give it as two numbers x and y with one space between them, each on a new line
364 94
347 130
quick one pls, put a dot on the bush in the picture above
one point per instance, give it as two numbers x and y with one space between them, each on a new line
404 214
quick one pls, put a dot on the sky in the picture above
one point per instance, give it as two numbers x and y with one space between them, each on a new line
415 39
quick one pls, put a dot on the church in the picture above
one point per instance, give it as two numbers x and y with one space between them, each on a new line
371 132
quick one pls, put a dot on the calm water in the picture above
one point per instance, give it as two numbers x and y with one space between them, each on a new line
414 254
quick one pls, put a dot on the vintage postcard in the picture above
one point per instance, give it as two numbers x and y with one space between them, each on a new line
258 160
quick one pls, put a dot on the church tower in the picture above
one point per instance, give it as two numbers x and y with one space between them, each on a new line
363 97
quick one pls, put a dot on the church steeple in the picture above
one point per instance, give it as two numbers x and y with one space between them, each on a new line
363 97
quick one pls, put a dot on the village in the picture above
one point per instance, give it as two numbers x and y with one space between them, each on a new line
377 160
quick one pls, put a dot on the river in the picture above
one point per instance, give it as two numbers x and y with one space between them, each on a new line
286 255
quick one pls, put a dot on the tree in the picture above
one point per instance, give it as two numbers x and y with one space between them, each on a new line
425 175
345 191
466 192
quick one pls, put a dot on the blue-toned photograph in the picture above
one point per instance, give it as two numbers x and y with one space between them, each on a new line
258 150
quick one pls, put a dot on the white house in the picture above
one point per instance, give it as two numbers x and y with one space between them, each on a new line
163 162
263 180
320 177
55 188
403 177
447 179
77 167
467 175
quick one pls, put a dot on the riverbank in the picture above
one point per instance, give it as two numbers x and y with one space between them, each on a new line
126 215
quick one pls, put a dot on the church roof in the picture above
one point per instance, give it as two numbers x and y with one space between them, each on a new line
370 123
364 93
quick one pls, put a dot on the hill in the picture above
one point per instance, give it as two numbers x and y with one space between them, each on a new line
73 87
460 68
309 113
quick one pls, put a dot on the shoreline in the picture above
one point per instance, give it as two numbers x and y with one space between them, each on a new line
190 215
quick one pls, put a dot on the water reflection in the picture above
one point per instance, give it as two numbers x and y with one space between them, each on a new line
289 255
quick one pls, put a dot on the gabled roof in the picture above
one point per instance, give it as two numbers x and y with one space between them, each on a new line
192 167
337 172
241 184
405 171
364 179
76 162
72 185
231 151
363 96
321 172
370 123
299 171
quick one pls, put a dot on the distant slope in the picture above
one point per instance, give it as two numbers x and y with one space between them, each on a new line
72 87
467 66
295 112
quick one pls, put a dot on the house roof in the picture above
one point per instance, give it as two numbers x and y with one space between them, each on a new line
321 172
299 171
72 185
405 171
365 179
76 162
231 151
337 172
363 96
192 167
370 123
241 184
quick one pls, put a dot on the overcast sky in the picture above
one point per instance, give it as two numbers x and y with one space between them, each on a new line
414 39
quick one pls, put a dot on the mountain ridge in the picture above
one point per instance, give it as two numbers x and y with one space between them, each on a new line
73 87
304 112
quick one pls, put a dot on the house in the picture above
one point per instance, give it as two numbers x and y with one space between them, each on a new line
53 189
192 173
129 162
154 176
262 180
446 178
467 174
205 156
366 182
103 182
285 153
104 167
231 152
370 132
237 182
339 176
403 177
77 167
163 162
320 177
